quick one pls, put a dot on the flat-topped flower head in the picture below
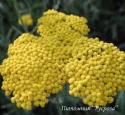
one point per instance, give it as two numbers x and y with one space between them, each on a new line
30 73
96 72
60 24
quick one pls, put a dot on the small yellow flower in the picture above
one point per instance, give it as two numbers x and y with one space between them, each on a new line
26 20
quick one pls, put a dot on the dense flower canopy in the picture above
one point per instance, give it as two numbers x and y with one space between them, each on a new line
54 23
96 72
31 73
38 66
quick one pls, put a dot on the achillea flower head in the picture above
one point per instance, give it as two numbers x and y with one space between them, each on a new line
54 23
61 31
26 19
96 72
30 73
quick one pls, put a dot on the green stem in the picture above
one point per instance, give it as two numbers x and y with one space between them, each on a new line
19 15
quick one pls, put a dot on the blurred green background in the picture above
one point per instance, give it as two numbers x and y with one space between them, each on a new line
106 20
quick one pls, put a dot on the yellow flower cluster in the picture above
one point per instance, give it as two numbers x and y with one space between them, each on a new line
38 66
54 23
96 72
30 73
61 31
26 20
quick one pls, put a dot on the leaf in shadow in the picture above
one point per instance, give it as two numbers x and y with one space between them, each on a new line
120 102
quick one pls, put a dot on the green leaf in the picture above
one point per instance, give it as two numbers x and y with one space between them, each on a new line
120 102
